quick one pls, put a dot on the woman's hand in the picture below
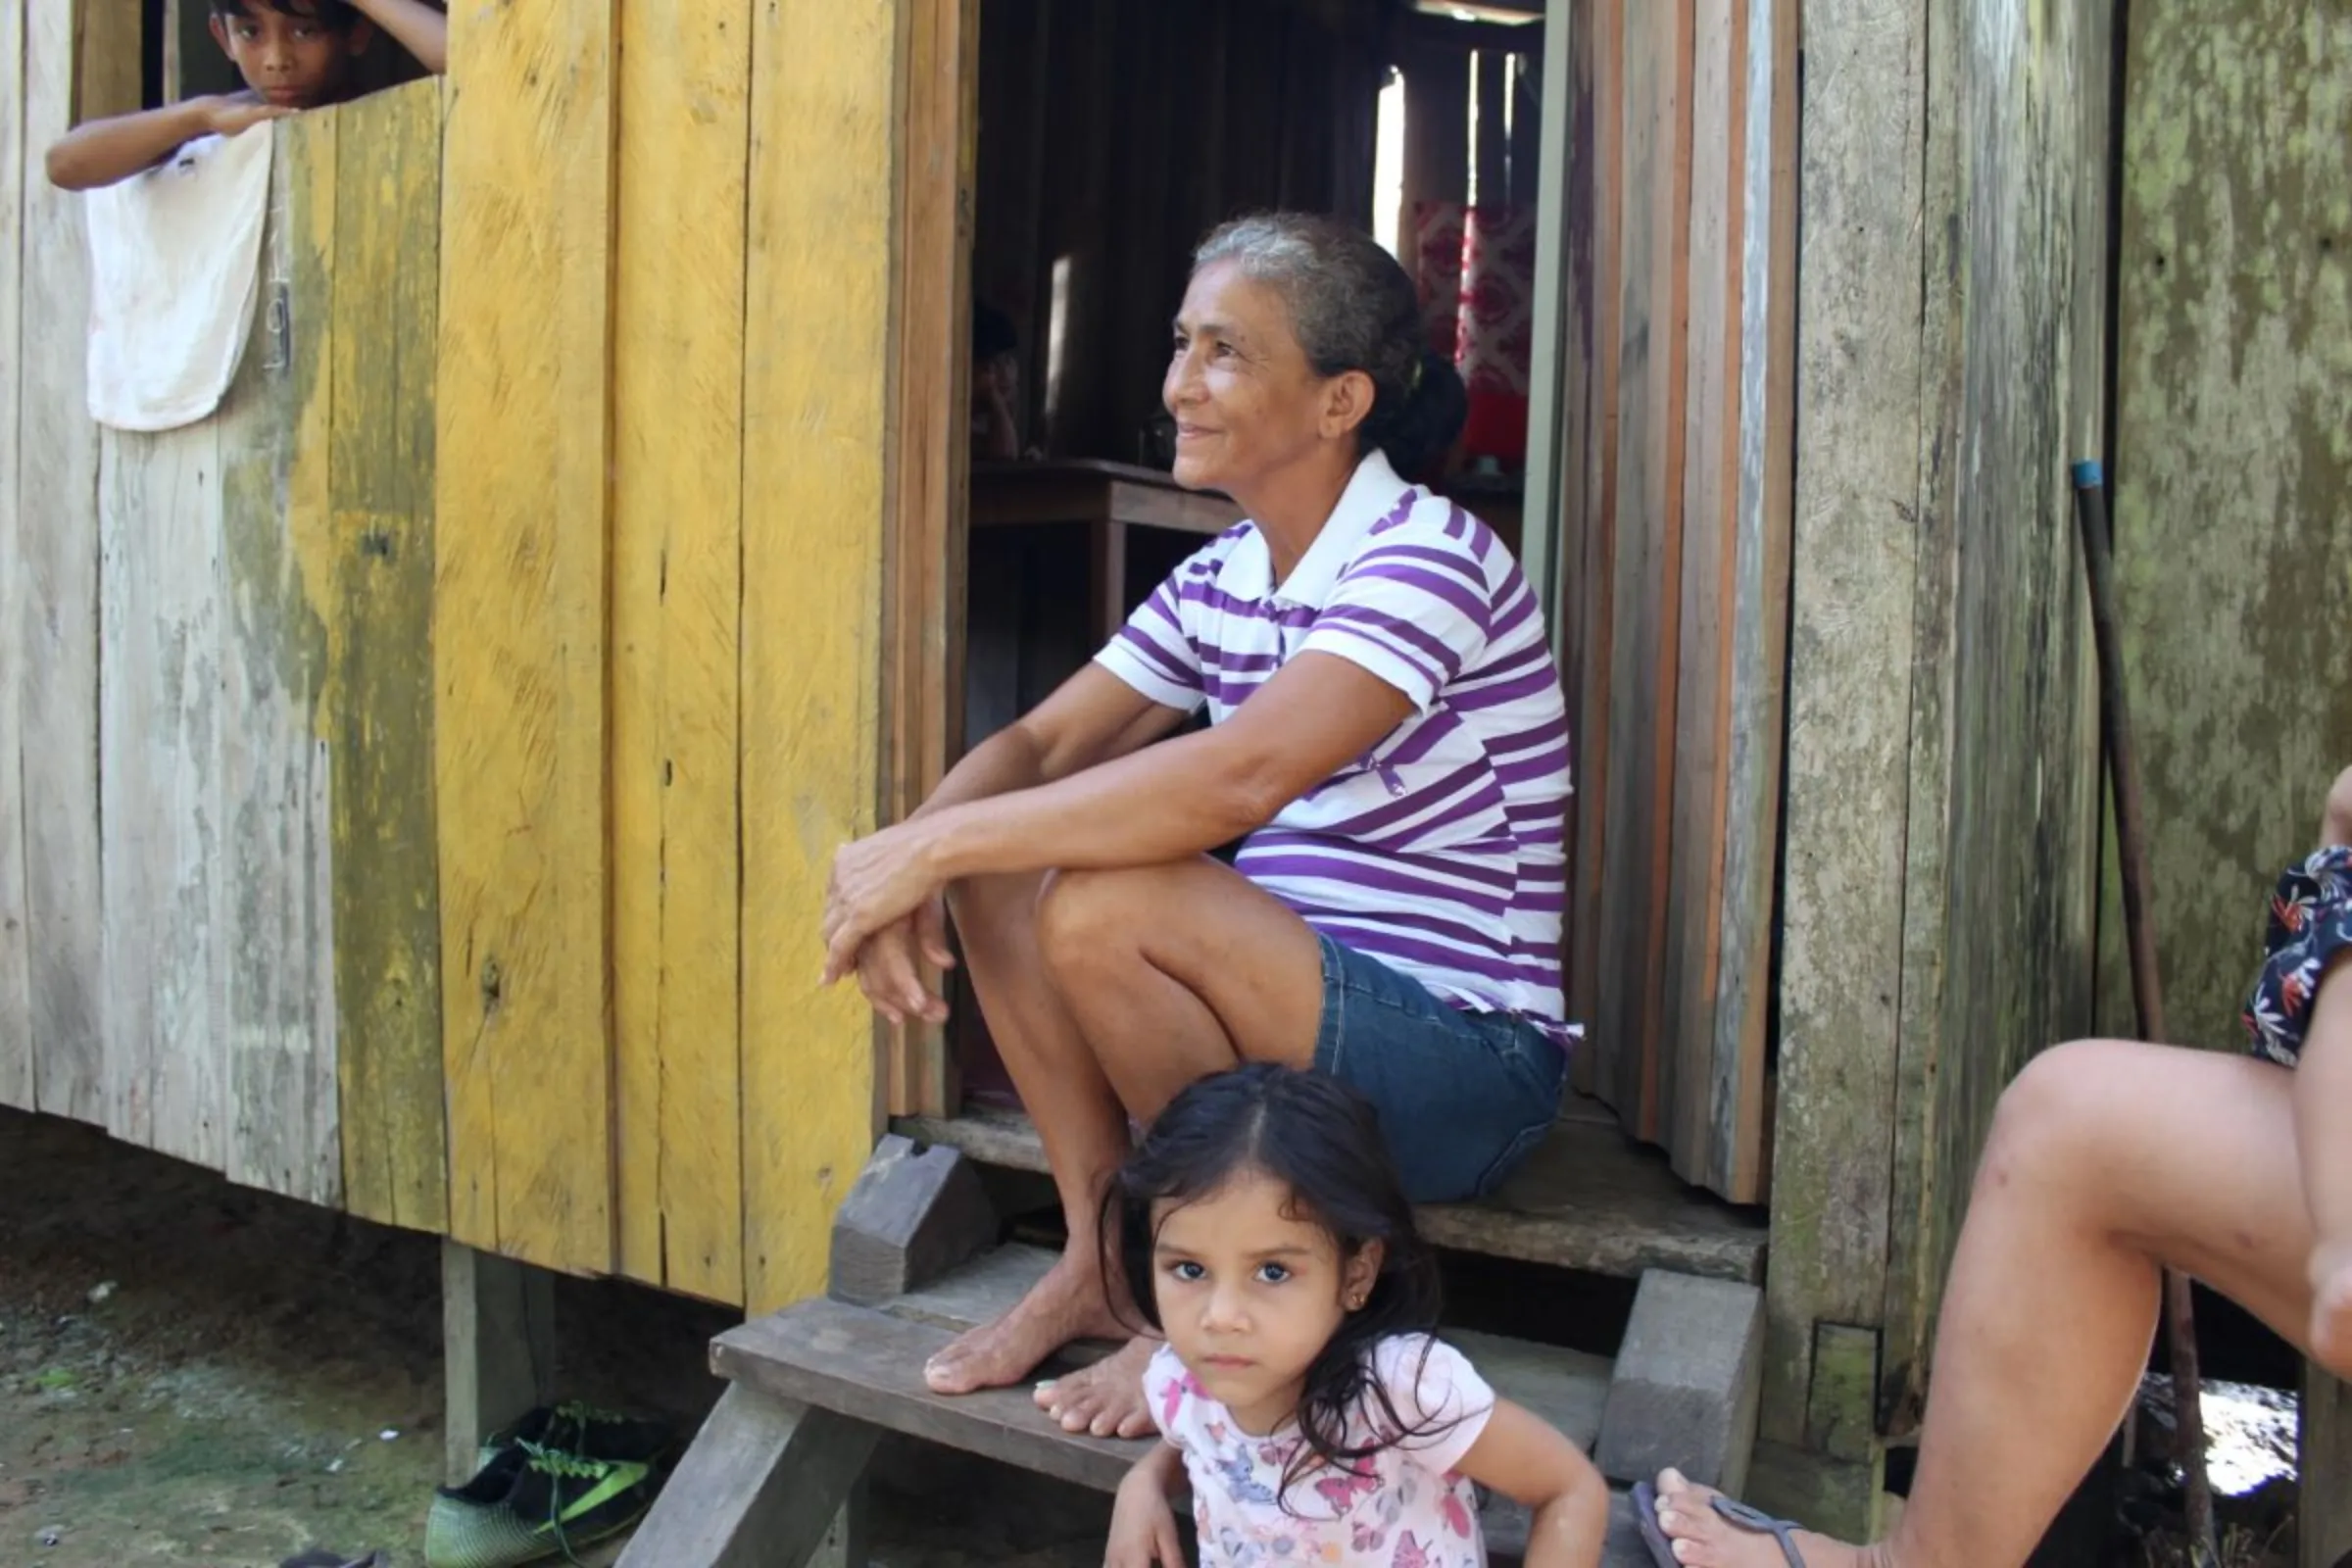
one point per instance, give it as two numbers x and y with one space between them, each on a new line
2335 822
1143 1522
890 966
877 881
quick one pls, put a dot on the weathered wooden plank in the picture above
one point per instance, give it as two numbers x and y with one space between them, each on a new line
521 575
815 411
766 1483
1859 299
1760 590
1637 850
2323 1467
163 843
1697 827
57 511
1587 552
2235 344
383 231
931 458
1917 1249
274 906
498 1348
16 1001
683 93
1588 1199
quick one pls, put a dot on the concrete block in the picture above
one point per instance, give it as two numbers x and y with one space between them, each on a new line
1683 1392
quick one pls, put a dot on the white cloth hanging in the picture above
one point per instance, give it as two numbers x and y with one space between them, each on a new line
175 272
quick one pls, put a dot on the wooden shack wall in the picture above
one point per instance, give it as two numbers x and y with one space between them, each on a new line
2233 504
522 604
1941 844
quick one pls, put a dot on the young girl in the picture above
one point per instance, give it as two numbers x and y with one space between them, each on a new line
1300 1391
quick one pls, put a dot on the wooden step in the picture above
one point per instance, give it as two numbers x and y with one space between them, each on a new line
868 1365
1591 1198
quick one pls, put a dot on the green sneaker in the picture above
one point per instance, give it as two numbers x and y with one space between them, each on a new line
533 1502
582 1428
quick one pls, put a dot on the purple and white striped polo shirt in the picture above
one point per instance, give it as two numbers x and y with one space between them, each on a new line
1440 851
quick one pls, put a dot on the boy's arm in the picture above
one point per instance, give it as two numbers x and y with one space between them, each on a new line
420 28
106 151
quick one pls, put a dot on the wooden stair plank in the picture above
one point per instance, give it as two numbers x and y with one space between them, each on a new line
1591 1198
1567 1388
868 1365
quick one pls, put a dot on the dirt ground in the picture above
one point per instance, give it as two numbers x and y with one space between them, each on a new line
195 1374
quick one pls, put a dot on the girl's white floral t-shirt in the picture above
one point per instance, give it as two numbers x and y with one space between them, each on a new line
1404 1508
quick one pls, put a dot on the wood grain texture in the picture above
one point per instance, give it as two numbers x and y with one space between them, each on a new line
57 667
2323 1464
1588 526
522 511
1759 641
276 903
164 848
2233 461
677 600
1710 611
815 411
16 981
376 560
1646 582
764 1483
931 458
2018 797
1850 700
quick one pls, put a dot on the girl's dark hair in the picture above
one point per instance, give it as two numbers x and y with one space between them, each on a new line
1321 1141
1353 309
332 14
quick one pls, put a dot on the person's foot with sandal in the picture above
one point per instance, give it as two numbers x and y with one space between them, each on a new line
1690 1526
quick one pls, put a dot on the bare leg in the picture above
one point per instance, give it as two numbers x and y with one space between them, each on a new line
1092 1031
1078 1119
1173 972
2324 1130
2107 1161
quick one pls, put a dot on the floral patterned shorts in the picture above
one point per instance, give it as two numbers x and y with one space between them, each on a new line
2311 924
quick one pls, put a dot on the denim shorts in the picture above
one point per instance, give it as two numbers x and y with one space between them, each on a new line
1464 1097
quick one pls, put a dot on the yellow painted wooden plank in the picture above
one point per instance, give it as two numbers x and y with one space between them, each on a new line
677 365
383 232
520 573
815 381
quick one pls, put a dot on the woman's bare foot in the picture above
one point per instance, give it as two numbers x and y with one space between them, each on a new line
1066 1306
1105 1398
1704 1538
2331 1308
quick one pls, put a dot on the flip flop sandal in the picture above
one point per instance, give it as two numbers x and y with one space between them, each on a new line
1661 1551
319 1557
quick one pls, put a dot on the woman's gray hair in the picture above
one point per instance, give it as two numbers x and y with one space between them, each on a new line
1353 308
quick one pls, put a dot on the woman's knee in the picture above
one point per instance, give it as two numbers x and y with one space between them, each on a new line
2054 1121
1087 920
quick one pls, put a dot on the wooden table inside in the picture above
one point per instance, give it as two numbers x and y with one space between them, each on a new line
1106 498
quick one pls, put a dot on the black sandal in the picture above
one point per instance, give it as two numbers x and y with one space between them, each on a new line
1661 1551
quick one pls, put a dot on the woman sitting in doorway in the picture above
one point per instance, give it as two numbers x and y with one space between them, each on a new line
1387 731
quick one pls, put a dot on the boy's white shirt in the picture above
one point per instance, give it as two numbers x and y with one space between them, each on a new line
174 275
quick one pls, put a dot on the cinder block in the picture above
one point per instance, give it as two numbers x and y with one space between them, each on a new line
916 1211
1685 1389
